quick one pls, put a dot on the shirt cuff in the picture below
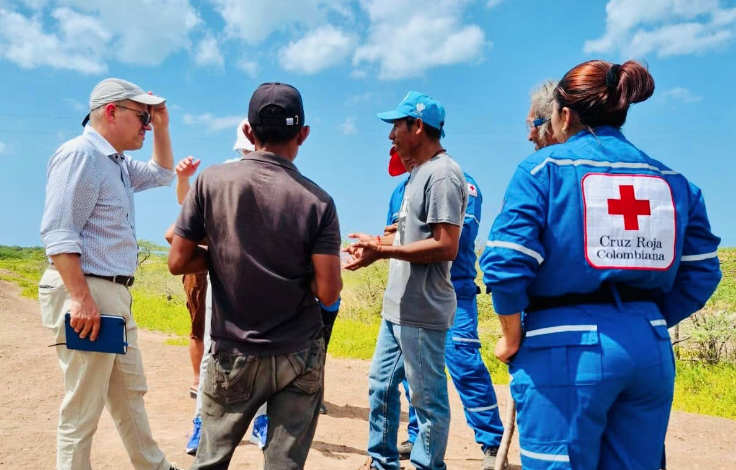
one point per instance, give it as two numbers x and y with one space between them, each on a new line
163 176
331 308
446 220
62 241
509 303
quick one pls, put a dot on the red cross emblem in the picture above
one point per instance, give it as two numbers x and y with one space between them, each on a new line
629 206
472 188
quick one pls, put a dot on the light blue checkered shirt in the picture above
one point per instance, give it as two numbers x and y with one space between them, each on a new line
89 203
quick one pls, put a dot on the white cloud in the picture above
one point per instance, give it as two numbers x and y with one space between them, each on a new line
255 20
208 52
76 105
681 94
146 32
23 41
3 147
250 67
85 36
348 126
319 49
408 37
211 123
637 28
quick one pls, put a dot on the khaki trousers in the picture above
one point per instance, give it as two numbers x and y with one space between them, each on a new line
95 380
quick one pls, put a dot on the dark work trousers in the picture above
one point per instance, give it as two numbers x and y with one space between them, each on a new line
237 385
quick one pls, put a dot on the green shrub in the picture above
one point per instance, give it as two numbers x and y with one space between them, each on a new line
706 389
711 335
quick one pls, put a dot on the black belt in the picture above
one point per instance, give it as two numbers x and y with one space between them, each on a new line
604 295
127 281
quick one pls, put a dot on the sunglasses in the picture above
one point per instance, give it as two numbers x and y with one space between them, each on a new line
535 123
144 116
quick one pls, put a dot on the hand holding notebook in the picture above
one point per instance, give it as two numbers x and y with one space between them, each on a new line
112 337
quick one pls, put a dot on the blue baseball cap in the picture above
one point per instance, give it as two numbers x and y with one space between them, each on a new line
419 106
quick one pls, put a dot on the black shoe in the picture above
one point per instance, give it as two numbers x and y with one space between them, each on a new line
322 409
405 450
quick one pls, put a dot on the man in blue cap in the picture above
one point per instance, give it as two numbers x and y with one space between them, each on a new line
462 350
419 303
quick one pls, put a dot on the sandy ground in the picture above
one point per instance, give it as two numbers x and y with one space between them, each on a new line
31 391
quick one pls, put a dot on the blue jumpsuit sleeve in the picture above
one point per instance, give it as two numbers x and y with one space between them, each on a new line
514 250
394 204
472 215
332 308
699 271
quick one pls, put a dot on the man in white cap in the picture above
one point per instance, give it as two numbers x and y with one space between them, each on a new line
88 230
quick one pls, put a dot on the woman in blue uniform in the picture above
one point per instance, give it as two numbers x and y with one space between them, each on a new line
603 248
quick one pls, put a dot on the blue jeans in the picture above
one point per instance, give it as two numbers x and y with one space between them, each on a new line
471 378
419 355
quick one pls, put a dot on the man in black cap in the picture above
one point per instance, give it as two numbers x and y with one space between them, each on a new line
273 254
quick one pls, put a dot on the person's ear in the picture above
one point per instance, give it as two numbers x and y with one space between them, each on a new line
302 135
248 132
566 115
110 109
420 126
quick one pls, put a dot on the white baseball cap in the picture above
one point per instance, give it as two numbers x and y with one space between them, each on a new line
110 90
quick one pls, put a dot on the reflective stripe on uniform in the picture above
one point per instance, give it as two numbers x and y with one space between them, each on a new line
699 257
658 322
605 164
516 247
545 457
473 217
482 408
561 329
465 340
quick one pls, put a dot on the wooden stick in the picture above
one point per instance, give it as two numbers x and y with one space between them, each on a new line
508 432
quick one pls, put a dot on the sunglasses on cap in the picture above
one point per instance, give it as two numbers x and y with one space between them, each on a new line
144 116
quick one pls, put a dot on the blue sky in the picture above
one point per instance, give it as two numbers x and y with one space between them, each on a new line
351 59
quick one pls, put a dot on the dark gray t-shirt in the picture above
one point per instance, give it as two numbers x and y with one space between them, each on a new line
421 294
263 221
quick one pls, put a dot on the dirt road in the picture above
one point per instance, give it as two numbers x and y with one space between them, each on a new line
31 391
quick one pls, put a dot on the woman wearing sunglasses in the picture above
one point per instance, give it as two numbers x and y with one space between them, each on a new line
603 248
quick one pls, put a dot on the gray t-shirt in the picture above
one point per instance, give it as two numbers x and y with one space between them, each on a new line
422 295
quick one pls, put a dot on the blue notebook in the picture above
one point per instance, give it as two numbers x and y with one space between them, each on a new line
111 339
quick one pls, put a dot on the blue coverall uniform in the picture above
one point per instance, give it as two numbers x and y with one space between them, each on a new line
603 248
462 350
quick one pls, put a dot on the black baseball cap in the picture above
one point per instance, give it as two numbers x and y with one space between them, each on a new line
282 95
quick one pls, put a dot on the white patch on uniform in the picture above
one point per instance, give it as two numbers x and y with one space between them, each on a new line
472 190
420 108
629 222
394 263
